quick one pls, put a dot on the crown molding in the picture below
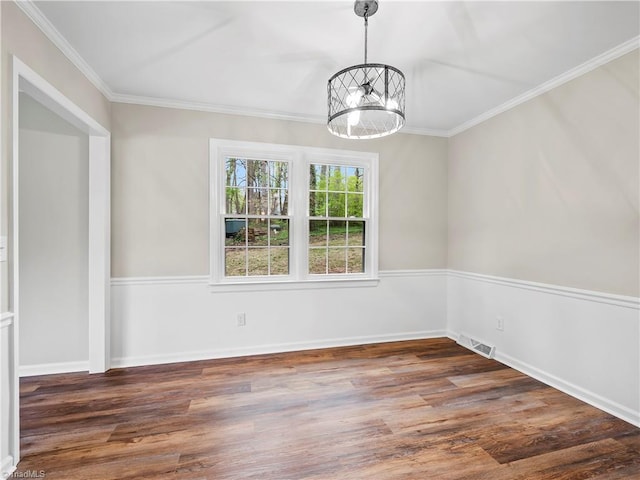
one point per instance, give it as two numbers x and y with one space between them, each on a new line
208 107
430 132
569 75
43 23
247 112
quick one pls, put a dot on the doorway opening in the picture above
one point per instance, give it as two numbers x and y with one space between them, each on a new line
31 91
54 235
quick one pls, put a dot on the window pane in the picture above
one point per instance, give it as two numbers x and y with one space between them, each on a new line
257 173
318 177
356 233
337 233
257 201
235 231
317 204
258 232
258 261
278 175
355 260
236 200
278 201
279 232
318 232
235 262
279 261
236 172
354 205
337 260
354 179
318 260
337 204
337 179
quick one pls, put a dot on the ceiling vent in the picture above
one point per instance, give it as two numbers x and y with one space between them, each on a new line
477 346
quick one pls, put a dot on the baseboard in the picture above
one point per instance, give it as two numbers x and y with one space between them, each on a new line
53 368
7 467
569 388
575 391
273 348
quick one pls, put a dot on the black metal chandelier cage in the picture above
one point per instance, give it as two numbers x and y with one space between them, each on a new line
366 100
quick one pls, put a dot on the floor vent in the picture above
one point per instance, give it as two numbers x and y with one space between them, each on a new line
477 346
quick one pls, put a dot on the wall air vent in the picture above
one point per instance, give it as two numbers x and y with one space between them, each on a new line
477 346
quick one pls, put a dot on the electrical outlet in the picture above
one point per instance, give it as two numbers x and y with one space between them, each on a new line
242 319
499 323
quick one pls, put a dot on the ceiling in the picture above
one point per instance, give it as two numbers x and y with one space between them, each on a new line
462 60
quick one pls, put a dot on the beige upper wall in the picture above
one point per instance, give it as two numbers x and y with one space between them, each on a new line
549 191
21 37
160 218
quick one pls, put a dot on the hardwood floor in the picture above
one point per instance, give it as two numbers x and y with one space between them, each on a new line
420 410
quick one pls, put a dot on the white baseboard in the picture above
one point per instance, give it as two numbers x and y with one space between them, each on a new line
581 342
53 368
593 399
7 467
274 348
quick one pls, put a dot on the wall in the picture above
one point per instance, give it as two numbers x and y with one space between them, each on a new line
160 225
160 188
549 191
54 223
544 232
173 319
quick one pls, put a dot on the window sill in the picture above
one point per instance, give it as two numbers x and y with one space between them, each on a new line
313 284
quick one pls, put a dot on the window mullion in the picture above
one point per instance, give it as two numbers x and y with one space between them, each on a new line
299 206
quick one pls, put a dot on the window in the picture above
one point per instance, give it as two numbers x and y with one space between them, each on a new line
286 214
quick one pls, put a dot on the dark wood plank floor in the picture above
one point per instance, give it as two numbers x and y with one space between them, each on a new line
418 410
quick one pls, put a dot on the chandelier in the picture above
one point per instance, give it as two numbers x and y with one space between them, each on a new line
367 100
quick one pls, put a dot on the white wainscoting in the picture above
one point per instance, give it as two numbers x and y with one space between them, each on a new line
162 320
584 343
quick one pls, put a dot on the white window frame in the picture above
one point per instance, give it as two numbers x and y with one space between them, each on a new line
299 159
